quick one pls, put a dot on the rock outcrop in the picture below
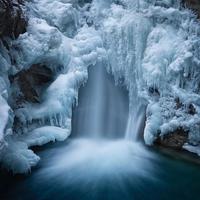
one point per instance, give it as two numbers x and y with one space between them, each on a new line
174 140
12 18
30 83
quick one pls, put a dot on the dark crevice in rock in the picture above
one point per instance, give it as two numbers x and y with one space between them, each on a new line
31 83
154 91
191 109
83 2
178 102
28 87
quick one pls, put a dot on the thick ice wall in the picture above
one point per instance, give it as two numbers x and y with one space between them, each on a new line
125 37
141 39
64 17
41 43
173 69
155 50
166 56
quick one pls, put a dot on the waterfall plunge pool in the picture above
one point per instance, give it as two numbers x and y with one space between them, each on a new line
86 169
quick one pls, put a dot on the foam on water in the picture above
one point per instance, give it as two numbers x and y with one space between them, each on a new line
89 164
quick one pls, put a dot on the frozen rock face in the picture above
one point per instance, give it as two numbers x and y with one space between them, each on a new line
12 24
175 140
30 83
154 48
12 18
42 72
150 46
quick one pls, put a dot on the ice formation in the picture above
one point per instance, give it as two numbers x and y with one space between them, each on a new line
150 46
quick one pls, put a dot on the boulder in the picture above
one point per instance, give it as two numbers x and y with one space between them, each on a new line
174 140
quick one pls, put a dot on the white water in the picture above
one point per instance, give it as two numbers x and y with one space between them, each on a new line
103 107
89 163
136 122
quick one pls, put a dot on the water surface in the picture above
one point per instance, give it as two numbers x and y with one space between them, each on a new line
85 169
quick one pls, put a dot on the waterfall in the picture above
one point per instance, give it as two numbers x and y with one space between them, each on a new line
102 110
136 122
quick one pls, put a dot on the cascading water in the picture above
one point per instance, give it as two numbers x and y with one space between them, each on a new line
102 110
136 122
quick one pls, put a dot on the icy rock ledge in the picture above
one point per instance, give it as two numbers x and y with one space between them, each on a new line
18 158
191 148
44 135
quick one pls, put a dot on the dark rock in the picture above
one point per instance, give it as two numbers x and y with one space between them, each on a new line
154 91
30 94
191 109
178 103
12 18
194 5
31 81
83 2
174 140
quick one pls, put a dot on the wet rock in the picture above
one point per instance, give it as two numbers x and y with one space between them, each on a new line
31 81
12 18
174 140
191 109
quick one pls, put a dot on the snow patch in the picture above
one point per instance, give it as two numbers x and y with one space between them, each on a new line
44 135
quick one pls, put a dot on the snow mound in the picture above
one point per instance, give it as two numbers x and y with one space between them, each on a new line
44 135
17 157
